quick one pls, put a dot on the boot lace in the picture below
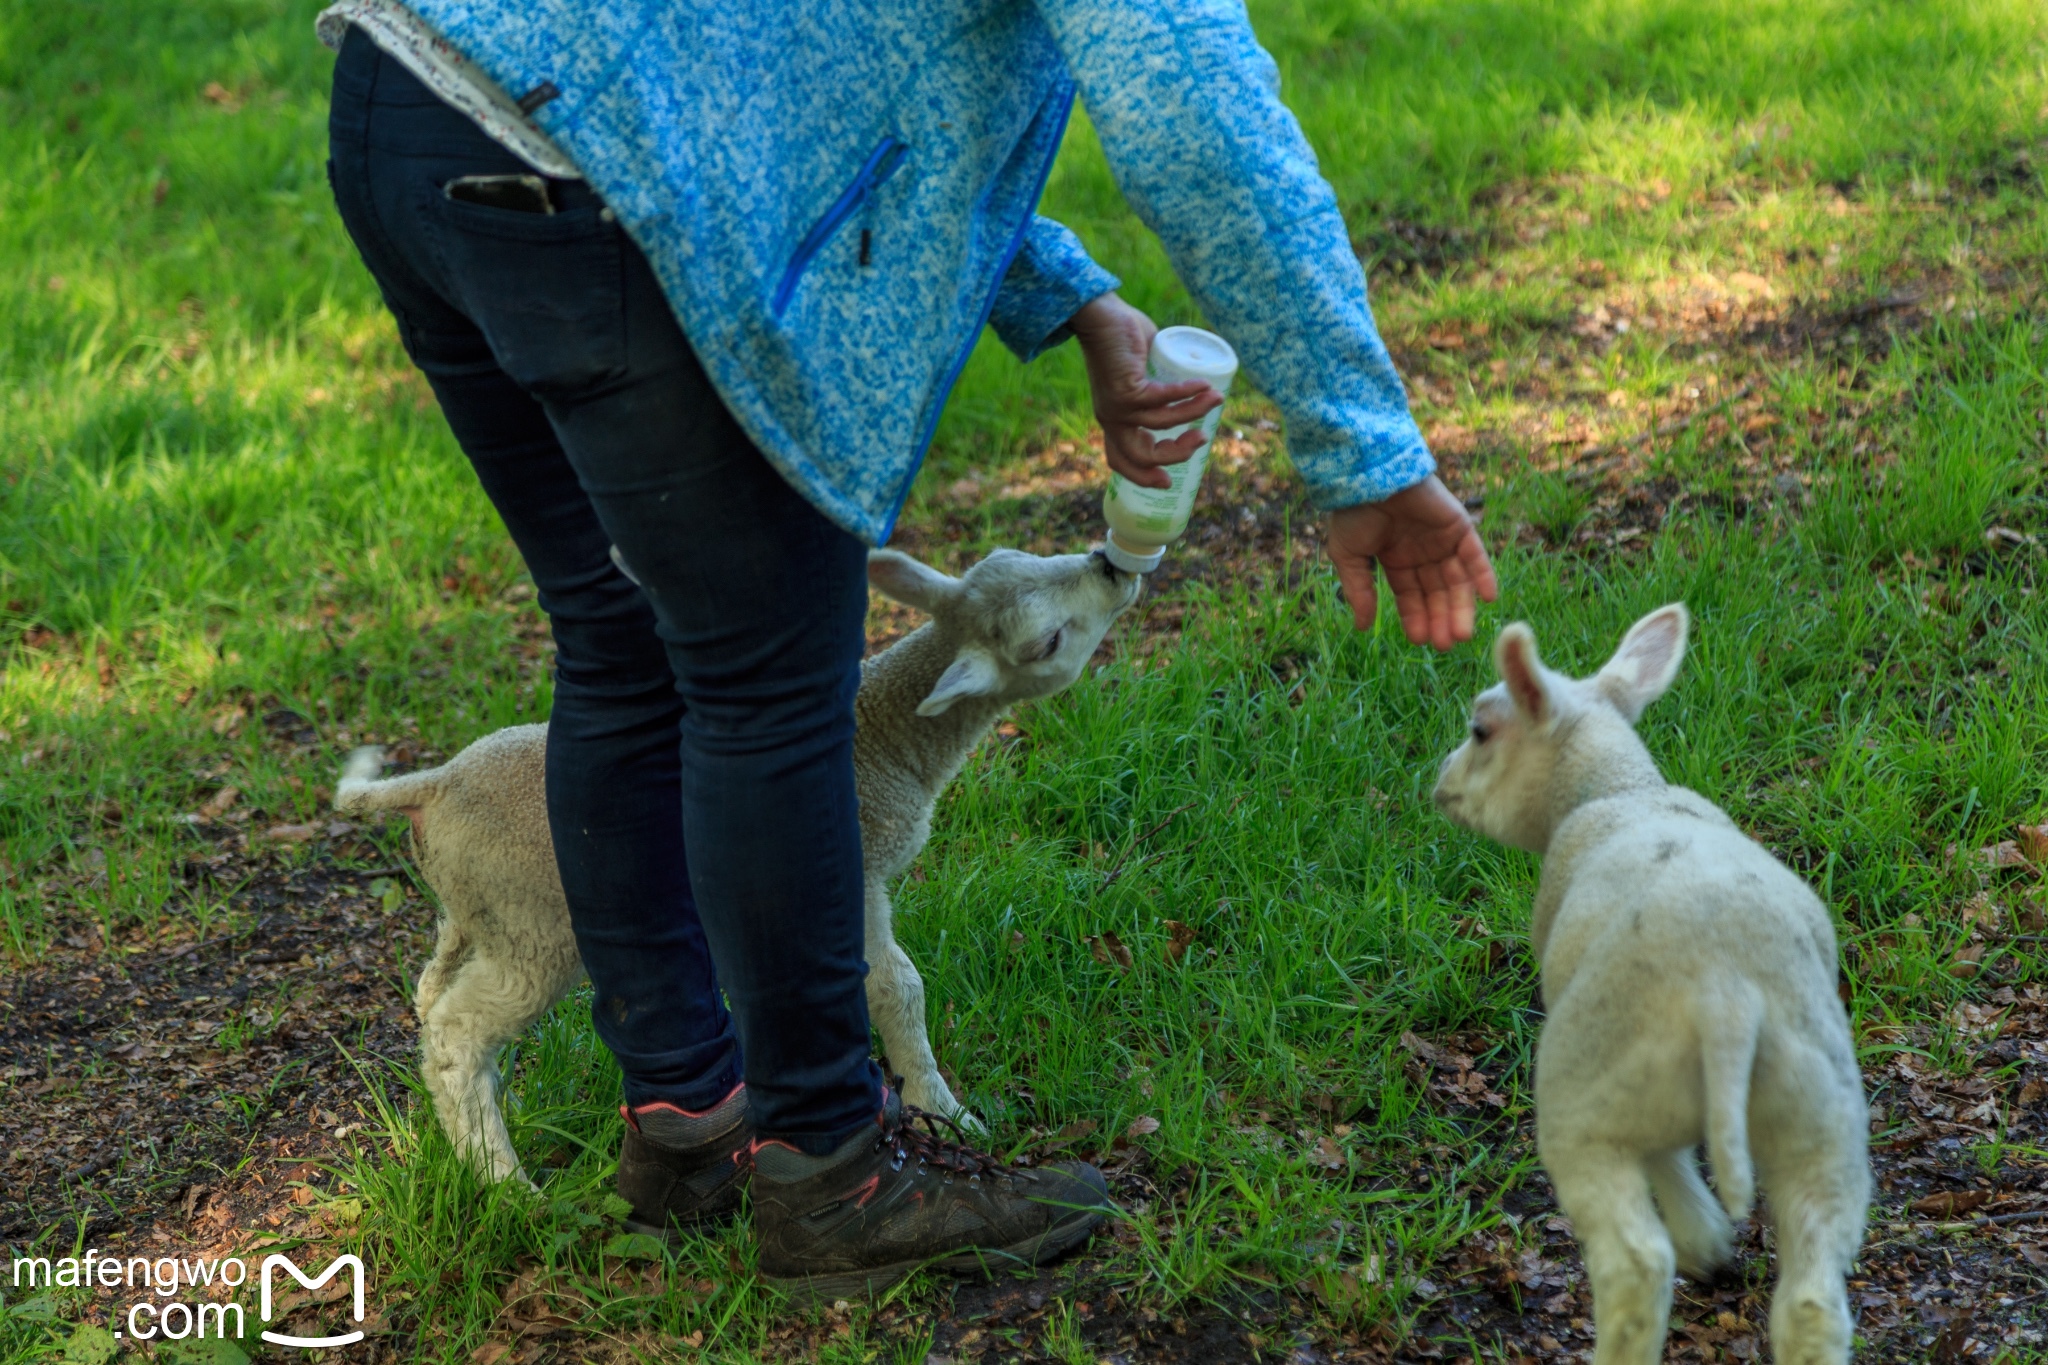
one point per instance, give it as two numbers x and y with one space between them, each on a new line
920 1134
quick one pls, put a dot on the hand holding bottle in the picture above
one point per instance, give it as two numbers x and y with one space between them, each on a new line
1116 340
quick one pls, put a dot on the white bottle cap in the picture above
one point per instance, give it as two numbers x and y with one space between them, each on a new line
1129 561
1191 353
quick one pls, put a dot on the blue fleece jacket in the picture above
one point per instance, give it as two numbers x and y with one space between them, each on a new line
838 195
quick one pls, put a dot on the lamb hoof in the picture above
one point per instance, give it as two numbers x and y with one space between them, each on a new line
514 1174
1717 1268
940 1101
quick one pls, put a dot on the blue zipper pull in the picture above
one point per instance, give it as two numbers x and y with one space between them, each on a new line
884 161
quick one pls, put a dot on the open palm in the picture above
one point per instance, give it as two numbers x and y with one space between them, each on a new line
1425 543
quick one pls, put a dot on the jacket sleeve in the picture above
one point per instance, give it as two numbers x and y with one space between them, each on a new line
1048 281
1187 107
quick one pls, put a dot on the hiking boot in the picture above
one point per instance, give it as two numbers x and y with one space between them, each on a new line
897 1197
682 1170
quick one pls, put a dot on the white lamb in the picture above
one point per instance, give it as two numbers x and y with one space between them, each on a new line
1015 626
1689 981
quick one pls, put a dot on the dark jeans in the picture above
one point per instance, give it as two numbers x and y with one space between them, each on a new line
708 710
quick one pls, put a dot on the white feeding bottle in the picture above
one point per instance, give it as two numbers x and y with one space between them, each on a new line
1144 521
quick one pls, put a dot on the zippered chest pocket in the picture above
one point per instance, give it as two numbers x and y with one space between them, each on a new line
883 162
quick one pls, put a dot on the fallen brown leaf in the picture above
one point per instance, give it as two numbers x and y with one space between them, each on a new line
1073 1132
1180 937
490 1353
1950 1203
1953 1343
1981 910
2032 918
547 1324
1142 1127
1328 1154
290 834
2005 853
2033 842
1109 950
220 803
1436 1056
1968 962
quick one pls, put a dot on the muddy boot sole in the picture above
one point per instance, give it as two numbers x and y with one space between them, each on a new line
809 1291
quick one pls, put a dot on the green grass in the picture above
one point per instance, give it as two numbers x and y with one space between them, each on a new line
222 490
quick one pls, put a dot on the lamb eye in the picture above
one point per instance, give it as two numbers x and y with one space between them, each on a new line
1050 647
1479 733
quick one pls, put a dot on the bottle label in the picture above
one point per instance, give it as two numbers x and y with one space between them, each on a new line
1163 509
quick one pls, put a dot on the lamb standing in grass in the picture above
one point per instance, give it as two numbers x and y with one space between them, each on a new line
1689 980
1015 626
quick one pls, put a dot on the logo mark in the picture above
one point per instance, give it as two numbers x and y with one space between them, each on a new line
339 1263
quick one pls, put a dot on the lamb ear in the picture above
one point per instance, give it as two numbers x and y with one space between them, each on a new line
972 673
1642 669
1514 657
896 575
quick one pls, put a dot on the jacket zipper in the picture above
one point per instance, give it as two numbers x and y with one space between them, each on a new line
883 162
988 305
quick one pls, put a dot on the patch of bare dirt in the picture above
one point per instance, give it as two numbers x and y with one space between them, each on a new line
134 1073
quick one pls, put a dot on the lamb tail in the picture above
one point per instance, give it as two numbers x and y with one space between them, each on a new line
360 789
1727 1055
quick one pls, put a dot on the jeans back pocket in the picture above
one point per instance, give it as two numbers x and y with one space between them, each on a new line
546 289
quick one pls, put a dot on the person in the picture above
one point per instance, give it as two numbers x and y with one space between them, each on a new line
691 285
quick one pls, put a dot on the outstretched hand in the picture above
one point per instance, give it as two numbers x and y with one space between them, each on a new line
1420 538
1116 340
1425 543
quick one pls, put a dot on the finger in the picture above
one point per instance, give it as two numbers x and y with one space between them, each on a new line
1472 558
1141 450
1424 607
1357 576
1161 393
1162 408
1463 611
1425 597
1442 612
1118 453
1146 451
1411 603
1440 590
